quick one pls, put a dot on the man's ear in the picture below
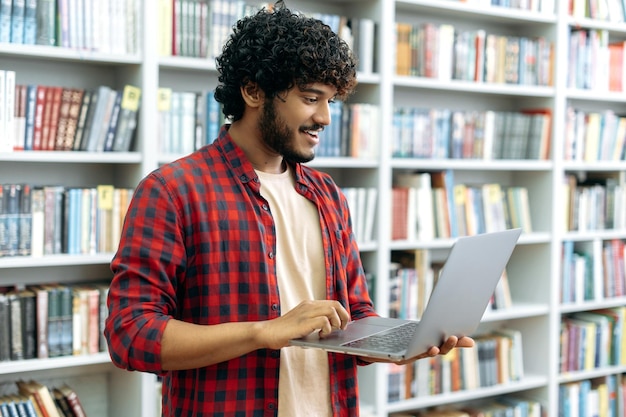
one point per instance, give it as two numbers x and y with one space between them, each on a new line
252 94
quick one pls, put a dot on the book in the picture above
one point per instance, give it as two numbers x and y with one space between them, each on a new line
17 21
40 104
97 120
42 396
66 394
5 326
20 117
127 124
86 108
30 22
113 122
62 120
5 140
46 23
28 321
5 21
9 137
29 116
66 139
51 122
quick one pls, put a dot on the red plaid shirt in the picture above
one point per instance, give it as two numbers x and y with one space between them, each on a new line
198 245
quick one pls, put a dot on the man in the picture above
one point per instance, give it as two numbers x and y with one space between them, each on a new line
232 251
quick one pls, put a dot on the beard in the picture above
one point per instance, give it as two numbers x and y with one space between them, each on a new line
278 136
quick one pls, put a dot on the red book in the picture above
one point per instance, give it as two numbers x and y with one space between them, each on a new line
63 116
399 207
56 94
40 102
616 66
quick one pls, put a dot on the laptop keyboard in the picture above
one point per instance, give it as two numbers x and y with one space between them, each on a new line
393 340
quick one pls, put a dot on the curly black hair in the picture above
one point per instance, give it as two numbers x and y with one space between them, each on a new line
278 50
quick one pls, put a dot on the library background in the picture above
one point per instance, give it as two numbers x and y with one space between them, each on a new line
470 116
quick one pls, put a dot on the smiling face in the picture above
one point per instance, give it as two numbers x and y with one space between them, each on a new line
290 124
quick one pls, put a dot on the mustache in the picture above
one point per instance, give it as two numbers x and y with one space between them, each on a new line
313 127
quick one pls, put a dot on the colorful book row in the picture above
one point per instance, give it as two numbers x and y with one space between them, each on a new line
54 118
446 133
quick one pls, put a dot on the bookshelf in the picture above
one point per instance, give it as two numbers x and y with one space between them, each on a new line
534 273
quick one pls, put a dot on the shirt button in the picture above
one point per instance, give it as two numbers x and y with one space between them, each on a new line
271 255
271 406
265 207
275 307
243 178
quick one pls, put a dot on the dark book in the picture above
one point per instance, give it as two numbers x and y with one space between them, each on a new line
113 121
5 328
65 311
25 221
127 124
72 399
15 313
61 403
12 194
55 328
86 109
29 323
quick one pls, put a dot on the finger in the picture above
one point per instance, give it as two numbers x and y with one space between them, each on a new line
448 345
465 342
342 315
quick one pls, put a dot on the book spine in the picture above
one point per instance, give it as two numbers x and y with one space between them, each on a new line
29 321
15 309
5 21
12 194
46 23
17 21
5 329
30 22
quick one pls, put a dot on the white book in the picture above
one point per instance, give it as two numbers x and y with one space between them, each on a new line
445 52
350 194
187 122
366 45
9 106
370 214
361 202
4 138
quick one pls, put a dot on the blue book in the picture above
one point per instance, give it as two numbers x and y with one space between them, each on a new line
5 20
31 108
30 22
213 114
17 21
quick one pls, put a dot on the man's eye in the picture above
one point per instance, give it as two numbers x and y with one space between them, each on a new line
310 100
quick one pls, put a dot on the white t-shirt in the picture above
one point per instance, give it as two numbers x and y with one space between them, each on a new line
304 384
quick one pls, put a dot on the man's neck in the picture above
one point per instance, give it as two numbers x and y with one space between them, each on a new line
261 158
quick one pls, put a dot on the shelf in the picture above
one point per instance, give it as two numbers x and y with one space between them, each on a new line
40 52
485 14
34 365
528 383
73 157
54 260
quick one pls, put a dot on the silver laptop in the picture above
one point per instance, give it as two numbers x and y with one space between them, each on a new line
456 305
